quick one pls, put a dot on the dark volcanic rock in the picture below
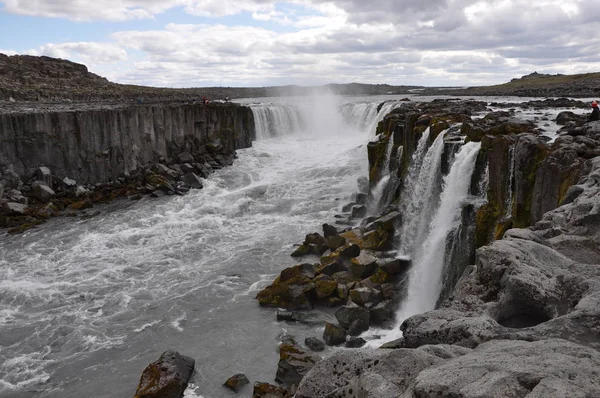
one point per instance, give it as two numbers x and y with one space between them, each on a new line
294 363
314 344
168 377
334 334
236 382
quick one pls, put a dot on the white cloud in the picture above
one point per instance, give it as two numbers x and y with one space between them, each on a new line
379 41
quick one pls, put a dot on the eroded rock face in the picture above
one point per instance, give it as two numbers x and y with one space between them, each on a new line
167 377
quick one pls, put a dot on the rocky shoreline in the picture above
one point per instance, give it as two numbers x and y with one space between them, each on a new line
64 160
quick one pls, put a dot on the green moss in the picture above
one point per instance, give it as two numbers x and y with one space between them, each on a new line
381 277
486 219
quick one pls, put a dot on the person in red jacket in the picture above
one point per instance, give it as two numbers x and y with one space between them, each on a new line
595 112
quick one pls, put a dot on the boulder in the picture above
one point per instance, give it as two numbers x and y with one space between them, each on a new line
16 196
68 183
363 296
359 211
186 157
350 251
11 180
349 373
334 334
394 266
314 344
12 208
266 390
294 293
550 368
307 270
383 312
167 377
386 223
354 316
294 363
329 231
42 192
335 242
44 175
192 180
236 382
356 342
363 265
325 288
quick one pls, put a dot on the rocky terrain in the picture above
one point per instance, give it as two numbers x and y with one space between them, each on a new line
537 85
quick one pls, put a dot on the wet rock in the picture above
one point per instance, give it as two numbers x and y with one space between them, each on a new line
314 344
294 363
353 317
192 180
294 293
266 390
567 116
363 265
42 192
334 334
360 198
350 251
307 270
355 342
364 296
325 288
394 266
159 182
236 382
164 171
386 223
81 191
383 312
359 211
329 231
335 242
167 377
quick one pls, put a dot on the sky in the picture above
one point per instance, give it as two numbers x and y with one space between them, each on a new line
196 43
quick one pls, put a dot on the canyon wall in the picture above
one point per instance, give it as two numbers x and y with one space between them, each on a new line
98 144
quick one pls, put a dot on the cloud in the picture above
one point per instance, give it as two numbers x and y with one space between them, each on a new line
379 41
85 52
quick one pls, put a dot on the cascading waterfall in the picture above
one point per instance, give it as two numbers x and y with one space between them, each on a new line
511 176
273 120
319 115
425 280
421 192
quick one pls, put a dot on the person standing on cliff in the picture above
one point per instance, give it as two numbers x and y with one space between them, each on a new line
595 112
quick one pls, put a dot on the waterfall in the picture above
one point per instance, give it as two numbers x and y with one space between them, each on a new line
425 279
318 115
272 120
421 193
511 176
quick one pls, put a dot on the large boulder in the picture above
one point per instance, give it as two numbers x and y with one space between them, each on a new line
371 373
42 192
167 377
353 318
334 334
294 363
44 175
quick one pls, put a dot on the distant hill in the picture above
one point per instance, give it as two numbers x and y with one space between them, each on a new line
539 85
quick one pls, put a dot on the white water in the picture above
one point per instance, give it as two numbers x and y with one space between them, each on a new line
85 305
378 192
421 192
